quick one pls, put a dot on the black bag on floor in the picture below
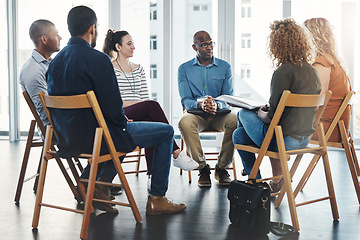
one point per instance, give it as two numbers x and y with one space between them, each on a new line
249 207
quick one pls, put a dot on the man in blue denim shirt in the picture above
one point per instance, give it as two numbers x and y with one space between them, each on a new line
79 68
201 80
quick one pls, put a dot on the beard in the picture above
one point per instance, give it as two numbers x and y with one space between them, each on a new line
93 42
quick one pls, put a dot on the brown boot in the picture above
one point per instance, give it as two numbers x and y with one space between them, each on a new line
160 205
103 192
222 176
204 177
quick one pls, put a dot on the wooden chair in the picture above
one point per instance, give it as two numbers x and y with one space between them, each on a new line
294 100
209 155
83 101
346 143
38 142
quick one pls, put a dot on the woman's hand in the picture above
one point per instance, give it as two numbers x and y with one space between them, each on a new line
262 113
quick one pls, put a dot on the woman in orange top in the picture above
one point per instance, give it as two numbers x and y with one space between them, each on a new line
331 72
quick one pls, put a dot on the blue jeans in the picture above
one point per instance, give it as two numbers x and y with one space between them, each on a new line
147 134
251 131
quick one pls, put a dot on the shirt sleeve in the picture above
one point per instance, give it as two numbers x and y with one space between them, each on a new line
187 99
144 91
34 82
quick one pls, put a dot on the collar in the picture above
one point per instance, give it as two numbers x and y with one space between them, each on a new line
196 62
38 57
76 40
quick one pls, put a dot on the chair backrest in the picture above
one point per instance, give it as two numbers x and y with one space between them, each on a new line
34 112
289 99
338 114
87 100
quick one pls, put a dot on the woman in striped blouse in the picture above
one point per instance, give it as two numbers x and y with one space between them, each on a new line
135 94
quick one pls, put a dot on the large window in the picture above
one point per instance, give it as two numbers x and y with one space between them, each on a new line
4 90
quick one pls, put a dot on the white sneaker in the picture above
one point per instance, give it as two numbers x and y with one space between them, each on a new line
184 162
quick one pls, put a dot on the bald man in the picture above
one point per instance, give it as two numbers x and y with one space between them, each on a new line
46 39
201 80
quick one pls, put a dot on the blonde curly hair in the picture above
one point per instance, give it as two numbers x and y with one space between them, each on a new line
323 38
288 42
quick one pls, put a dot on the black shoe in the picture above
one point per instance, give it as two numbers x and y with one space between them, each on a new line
222 176
204 177
115 191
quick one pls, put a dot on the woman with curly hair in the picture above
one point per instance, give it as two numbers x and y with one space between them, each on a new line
331 72
134 92
291 51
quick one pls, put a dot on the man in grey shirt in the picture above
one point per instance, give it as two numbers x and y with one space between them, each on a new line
32 75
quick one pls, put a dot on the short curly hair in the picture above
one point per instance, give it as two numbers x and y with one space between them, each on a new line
289 42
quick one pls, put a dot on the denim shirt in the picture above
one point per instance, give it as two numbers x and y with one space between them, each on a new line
196 81
79 68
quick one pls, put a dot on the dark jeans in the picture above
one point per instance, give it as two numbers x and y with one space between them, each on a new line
146 134
149 111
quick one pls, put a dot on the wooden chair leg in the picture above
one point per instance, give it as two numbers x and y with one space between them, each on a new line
81 194
44 163
25 161
189 175
138 163
350 159
330 187
68 179
234 168
36 182
287 179
91 185
79 165
293 169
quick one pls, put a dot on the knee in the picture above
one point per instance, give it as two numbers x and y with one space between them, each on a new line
231 122
151 104
187 122
244 114
238 136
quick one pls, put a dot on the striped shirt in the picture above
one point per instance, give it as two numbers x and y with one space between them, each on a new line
133 86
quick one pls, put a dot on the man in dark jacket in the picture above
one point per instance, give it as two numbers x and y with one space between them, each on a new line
79 68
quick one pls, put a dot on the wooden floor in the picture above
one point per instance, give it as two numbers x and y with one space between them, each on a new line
205 218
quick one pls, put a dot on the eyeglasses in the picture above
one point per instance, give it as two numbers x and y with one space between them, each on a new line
205 44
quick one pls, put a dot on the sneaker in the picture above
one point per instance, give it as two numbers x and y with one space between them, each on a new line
222 176
204 177
184 162
160 205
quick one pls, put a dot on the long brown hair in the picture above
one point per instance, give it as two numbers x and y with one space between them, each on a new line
111 39
323 38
